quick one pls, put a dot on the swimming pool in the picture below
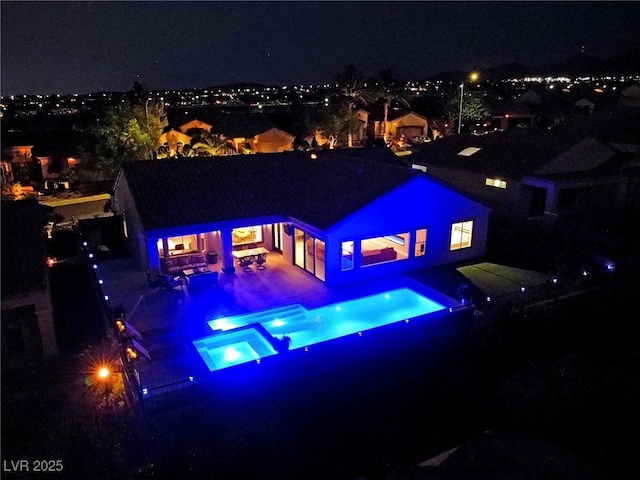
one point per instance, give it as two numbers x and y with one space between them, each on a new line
308 327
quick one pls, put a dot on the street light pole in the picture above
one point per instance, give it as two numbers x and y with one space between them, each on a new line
460 116
474 76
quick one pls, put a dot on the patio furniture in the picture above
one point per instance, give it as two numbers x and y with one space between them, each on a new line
245 263
171 282
174 264
260 261
202 279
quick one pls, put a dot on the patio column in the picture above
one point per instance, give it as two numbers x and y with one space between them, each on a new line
551 205
227 249
153 256
165 247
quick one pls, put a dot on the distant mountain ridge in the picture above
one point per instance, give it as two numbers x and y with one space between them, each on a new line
581 65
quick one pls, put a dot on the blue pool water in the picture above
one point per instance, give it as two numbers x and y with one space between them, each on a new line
307 327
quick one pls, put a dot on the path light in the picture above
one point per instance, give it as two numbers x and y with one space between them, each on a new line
94 266
488 299
100 281
523 289
554 280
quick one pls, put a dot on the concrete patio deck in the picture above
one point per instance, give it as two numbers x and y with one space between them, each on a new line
169 320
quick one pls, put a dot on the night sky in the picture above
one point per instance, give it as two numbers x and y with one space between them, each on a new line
81 47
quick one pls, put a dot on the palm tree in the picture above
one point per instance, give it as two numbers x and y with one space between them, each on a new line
386 88
352 87
211 144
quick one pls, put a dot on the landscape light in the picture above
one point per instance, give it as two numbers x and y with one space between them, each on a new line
95 267
103 372
231 355
100 281
488 299
191 379
84 244
91 255
523 289
611 266
585 273
106 297
554 280
144 391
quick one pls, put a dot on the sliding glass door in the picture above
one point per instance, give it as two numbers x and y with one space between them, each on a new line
309 253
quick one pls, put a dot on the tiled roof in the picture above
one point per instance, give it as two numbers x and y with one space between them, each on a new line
518 152
225 122
320 192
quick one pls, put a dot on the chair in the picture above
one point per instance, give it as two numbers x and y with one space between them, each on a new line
245 263
260 261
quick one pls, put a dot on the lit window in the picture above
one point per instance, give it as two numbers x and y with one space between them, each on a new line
387 248
347 255
467 152
421 242
461 235
494 182
242 236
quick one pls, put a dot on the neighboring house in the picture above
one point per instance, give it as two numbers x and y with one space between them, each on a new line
249 132
173 141
363 118
630 97
408 124
340 218
28 333
17 164
570 169
529 97
584 107
195 123
515 115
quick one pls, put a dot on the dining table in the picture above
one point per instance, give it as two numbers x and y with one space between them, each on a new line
250 252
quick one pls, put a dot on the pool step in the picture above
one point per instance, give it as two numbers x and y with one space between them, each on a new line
299 318
282 313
